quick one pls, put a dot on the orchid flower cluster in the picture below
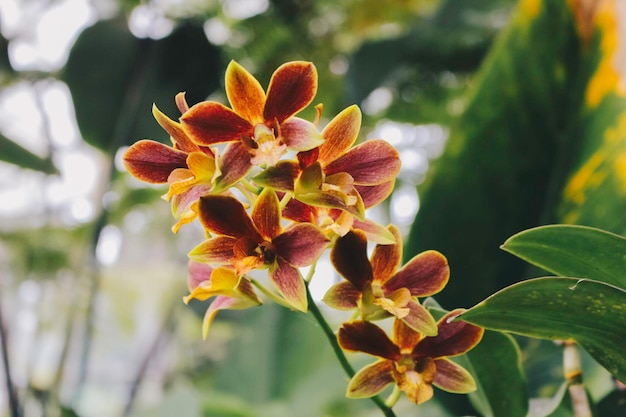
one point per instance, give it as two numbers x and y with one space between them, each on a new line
273 192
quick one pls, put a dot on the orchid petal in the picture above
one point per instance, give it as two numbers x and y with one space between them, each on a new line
292 88
182 203
370 380
223 281
405 337
209 122
386 258
334 200
310 180
453 338
340 134
225 215
234 164
416 384
370 163
197 273
375 232
245 94
290 284
308 158
453 378
266 214
152 161
299 212
216 250
222 302
425 274
349 257
342 296
395 303
363 336
300 135
181 102
301 244
419 319
175 130
375 194
280 177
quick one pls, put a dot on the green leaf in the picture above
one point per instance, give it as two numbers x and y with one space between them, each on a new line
613 405
113 106
496 364
573 251
14 154
590 312
504 153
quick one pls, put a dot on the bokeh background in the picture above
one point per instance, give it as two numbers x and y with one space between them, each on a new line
518 105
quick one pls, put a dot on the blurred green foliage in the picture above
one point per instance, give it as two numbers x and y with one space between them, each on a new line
526 148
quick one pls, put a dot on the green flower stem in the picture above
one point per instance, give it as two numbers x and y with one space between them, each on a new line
285 200
393 397
309 276
345 364
272 296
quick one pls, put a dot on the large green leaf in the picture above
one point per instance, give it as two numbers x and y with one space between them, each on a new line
496 174
542 140
14 154
590 312
497 365
573 251
115 77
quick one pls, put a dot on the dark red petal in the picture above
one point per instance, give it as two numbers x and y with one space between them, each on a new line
209 122
454 338
425 274
349 257
266 214
342 296
291 89
290 284
225 215
370 163
386 258
234 165
301 244
308 158
363 336
152 161
299 212
375 194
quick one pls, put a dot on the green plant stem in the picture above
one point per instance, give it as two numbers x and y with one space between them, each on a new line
270 294
345 364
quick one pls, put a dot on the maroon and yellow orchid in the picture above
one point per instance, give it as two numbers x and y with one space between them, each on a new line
190 170
413 362
378 288
231 292
259 124
258 241
336 175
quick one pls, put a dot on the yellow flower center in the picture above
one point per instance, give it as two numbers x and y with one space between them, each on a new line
269 148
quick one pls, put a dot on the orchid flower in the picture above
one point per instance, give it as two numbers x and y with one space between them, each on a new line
378 288
411 361
231 292
258 241
259 124
336 175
